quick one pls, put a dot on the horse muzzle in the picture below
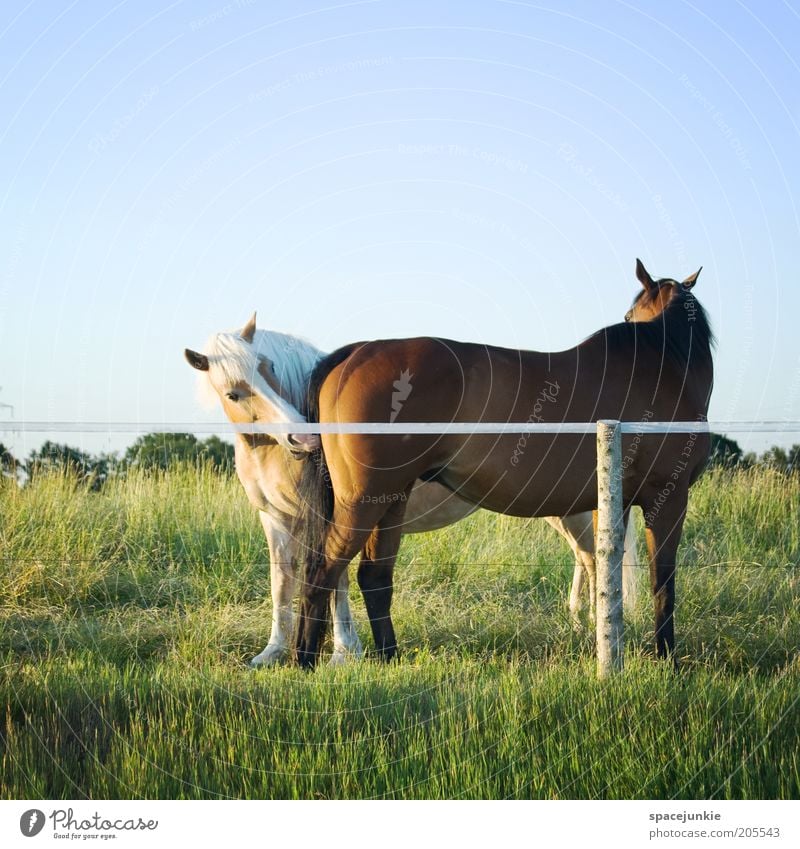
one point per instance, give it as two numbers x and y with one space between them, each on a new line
303 443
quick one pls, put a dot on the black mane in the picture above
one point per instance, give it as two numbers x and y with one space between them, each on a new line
682 334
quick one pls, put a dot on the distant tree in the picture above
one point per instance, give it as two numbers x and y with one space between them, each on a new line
160 450
793 455
8 463
749 459
54 457
725 451
782 460
218 452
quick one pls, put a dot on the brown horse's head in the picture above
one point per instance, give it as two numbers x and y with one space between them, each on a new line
657 295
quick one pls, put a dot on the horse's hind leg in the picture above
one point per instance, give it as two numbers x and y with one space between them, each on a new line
578 531
375 576
630 566
346 536
346 644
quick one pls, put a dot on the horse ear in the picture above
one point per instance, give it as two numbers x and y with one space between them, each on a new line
643 277
249 330
195 360
692 279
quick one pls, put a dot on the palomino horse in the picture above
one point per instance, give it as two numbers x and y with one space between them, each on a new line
656 366
263 376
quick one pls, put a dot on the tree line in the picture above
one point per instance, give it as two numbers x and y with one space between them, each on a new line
161 450
149 452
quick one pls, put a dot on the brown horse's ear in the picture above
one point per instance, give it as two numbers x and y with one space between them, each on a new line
249 330
692 279
195 360
643 277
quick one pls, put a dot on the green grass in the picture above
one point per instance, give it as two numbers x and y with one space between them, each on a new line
126 619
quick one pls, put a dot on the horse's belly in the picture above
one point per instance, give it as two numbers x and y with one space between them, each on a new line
527 475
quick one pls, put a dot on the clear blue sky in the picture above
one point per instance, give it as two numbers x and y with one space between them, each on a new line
482 170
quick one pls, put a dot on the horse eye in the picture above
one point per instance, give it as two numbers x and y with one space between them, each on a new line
231 396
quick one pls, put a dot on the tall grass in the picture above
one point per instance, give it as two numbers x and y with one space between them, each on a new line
126 618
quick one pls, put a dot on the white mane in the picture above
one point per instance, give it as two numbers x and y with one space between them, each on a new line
232 359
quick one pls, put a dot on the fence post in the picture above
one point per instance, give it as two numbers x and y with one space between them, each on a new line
608 548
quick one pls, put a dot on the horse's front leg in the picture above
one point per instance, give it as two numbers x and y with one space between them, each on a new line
375 576
664 514
282 567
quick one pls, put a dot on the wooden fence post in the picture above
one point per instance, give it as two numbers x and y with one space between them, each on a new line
608 548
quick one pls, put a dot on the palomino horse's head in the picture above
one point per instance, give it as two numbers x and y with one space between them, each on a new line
243 374
657 295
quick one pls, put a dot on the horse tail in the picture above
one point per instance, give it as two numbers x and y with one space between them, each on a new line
315 490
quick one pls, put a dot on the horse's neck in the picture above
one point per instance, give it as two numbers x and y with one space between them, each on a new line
268 474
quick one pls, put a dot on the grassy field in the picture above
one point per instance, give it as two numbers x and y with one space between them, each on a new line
126 618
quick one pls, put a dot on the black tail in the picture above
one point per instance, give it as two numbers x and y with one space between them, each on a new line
314 489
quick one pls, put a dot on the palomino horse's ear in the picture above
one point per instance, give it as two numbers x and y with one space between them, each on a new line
249 330
195 360
692 279
643 277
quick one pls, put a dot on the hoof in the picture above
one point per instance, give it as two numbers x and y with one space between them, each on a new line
271 656
342 656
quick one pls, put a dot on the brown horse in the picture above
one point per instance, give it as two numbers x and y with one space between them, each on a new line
262 376
657 366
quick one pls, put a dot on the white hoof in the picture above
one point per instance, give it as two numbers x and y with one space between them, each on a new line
271 656
341 656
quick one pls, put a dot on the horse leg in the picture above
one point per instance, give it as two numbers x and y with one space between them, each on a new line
346 644
576 594
375 576
630 576
343 540
664 515
282 565
628 564
578 531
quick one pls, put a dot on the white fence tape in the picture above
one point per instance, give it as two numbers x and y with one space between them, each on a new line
396 428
